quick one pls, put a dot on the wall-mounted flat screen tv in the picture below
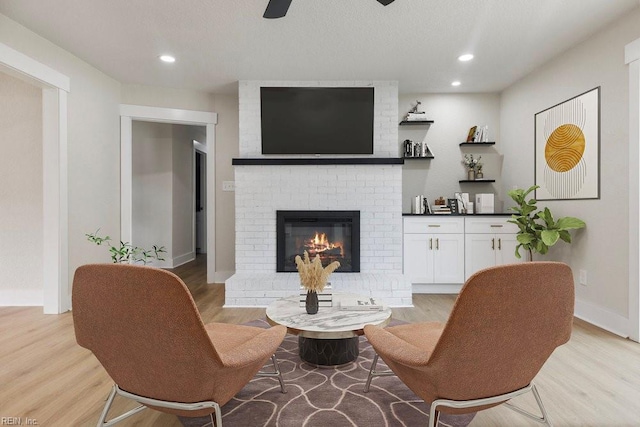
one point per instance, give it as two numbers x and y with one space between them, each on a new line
317 120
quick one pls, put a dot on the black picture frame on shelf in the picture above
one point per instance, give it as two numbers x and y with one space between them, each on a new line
453 204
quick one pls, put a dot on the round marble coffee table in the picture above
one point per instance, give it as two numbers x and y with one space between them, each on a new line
330 337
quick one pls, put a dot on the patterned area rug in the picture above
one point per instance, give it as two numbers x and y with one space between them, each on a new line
319 397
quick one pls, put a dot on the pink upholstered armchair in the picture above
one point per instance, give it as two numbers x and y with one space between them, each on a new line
144 328
504 325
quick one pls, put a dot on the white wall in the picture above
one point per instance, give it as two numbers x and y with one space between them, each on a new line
163 209
152 145
453 115
602 248
93 142
21 225
183 191
227 135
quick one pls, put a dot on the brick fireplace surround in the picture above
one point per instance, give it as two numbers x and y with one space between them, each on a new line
374 190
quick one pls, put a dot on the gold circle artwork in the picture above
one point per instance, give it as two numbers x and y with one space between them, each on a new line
565 147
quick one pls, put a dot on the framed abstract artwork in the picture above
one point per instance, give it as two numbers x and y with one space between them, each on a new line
567 149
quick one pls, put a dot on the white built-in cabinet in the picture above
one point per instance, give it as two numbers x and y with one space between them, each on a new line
447 250
489 241
433 250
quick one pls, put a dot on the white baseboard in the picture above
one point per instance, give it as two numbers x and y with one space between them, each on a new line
21 297
183 259
222 276
434 288
602 318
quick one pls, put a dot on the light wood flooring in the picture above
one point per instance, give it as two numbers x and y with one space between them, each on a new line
594 380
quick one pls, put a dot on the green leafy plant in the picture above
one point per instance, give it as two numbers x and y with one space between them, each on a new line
538 230
126 253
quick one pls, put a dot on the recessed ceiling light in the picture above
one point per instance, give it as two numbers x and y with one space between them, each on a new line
466 57
167 58
456 83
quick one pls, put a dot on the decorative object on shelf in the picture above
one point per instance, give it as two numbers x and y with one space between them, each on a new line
478 134
479 174
463 202
472 133
416 150
440 201
418 206
416 116
567 149
472 164
313 277
125 252
471 175
538 230
453 205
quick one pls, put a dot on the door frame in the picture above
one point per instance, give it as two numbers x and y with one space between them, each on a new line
632 59
56 297
129 113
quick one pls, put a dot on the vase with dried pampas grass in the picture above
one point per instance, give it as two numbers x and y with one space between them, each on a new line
313 277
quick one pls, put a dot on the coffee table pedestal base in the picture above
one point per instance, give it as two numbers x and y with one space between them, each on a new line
329 352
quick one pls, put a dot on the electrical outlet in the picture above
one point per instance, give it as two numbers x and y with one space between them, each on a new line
228 186
583 277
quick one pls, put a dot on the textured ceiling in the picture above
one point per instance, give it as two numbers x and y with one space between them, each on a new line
218 42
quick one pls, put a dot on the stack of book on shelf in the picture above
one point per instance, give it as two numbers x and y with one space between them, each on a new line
360 304
440 210
325 298
418 116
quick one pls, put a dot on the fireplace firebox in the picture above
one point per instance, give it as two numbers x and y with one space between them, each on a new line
331 235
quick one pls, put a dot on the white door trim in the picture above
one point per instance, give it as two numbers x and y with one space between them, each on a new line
128 113
55 86
632 59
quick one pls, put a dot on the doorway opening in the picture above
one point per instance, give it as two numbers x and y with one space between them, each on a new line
200 195
130 113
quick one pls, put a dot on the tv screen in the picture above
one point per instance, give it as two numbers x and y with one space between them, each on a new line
317 120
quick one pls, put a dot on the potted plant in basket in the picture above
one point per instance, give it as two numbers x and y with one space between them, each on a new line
538 230
313 278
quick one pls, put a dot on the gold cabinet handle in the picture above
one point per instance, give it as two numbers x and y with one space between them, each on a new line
431 244
493 244
434 225
438 244
499 244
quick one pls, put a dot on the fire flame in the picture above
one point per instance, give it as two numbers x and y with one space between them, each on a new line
320 243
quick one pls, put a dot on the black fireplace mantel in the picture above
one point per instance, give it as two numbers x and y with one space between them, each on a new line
284 161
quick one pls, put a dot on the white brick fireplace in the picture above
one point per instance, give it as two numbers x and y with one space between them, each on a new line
374 190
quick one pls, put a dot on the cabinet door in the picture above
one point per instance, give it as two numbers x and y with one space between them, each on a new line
506 253
417 258
480 252
448 258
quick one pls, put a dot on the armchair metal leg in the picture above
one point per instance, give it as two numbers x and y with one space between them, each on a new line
374 373
152 402
276 373
544 419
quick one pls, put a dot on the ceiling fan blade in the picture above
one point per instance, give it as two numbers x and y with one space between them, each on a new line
277 9
385 2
